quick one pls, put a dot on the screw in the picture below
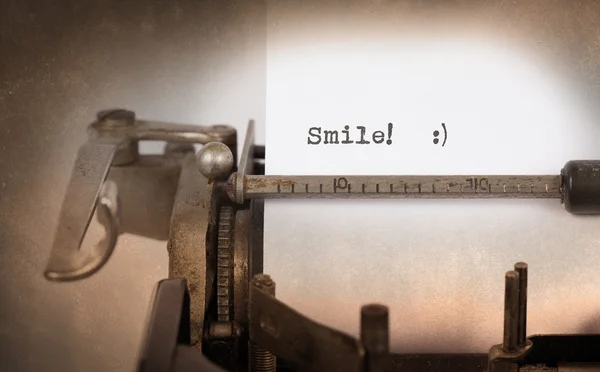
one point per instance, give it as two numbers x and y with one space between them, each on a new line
262 360
117 118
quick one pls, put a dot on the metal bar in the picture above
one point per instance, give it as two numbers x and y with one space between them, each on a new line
146 130
395 186
521 268
188 240
89 173
305 344
375 337
511 312
246 163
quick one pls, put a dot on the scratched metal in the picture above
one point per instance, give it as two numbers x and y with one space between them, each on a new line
434 187
170 61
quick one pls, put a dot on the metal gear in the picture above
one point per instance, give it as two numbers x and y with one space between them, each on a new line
225 264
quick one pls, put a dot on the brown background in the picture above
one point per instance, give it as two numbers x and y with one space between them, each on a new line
183 61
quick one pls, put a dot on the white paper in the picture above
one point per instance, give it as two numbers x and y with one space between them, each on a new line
438 264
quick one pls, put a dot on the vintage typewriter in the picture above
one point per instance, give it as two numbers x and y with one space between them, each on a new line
218 311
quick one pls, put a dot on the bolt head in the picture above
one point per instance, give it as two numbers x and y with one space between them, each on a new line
215 161
116 118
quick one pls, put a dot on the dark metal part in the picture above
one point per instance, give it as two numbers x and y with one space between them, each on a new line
582 186
512 352
578 367
511 313
222 345
225 264
375 337
305 344
552 350
256 260
440 363
167 343
521 269
241 274
261 359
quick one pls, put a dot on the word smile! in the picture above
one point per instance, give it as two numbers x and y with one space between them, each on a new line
317 136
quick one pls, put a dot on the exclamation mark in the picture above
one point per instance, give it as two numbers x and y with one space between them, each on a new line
390 127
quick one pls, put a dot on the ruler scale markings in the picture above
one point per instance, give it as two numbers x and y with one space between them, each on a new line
259 186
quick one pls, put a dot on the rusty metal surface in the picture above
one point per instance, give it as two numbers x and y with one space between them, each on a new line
241 258
394 186
188 239
306 344
175 61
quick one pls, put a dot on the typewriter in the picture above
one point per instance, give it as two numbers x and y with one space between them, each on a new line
218 311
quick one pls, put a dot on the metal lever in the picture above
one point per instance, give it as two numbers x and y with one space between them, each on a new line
113 141
86 189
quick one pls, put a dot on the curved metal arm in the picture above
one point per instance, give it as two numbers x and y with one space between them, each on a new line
87 189
114 134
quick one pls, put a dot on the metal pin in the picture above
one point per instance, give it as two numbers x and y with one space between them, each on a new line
521 268
261 360
511 312
375 336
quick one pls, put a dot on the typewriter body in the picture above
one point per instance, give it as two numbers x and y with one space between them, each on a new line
218 311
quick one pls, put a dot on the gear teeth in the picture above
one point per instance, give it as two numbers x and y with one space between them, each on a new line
225 264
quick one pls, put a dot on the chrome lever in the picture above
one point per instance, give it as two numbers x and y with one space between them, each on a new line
87 188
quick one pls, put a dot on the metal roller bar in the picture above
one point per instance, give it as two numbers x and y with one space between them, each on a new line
435 187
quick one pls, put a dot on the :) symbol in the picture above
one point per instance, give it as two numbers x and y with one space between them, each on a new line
436 133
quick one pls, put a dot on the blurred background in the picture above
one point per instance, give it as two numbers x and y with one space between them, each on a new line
182 61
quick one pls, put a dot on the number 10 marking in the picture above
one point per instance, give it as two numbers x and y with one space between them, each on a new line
479 183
